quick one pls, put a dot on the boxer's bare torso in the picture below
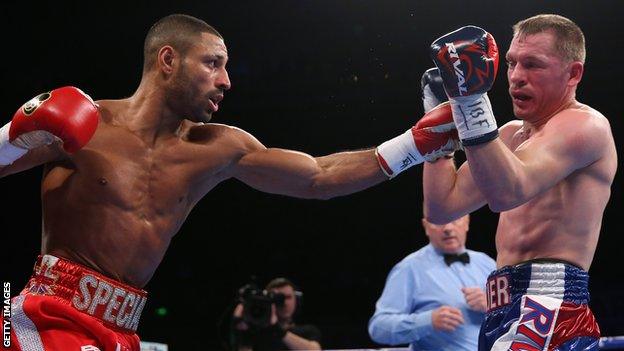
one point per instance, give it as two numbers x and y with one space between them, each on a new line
115 205
564 221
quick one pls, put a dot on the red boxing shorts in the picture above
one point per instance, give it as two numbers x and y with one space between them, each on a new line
539 305
66 306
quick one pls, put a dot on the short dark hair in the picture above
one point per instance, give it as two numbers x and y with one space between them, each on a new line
280 283
570 41
177 30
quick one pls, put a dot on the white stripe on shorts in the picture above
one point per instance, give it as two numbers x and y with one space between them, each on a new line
25 330
547 279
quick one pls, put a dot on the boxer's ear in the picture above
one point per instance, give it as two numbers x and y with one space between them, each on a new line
575 70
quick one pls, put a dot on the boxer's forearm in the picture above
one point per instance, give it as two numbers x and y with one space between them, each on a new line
8 152
439 179
449 193
498 173
300 175
347 172
33 159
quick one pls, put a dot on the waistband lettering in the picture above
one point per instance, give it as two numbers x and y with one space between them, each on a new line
122 317
498 291
101 296
84 291
114 305
137 314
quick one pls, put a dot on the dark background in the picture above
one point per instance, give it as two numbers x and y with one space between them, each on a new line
316 76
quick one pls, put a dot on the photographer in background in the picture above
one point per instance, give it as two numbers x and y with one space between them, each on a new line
263 320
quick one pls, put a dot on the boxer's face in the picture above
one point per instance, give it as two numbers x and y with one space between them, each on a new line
202 79
286 311
450 237
539 79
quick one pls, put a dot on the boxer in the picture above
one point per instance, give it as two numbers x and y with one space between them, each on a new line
121 176
536 172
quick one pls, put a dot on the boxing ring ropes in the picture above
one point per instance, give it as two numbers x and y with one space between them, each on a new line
606 343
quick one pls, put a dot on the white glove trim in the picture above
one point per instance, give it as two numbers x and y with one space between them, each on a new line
474 119
399 154
8 152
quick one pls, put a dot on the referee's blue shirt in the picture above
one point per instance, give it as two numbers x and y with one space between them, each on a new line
416 286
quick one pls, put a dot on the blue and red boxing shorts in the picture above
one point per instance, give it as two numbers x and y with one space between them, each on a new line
539 305
66 306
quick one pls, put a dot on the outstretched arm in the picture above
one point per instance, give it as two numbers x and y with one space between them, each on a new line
297 174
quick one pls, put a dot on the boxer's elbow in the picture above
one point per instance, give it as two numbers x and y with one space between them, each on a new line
321 195
437 213
501 201
439 218
314 187
320 190
503 206
496 207
510 191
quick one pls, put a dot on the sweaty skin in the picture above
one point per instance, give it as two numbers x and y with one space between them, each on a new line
564 221
114 205
548 175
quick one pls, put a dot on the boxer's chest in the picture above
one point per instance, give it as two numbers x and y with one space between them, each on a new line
117 168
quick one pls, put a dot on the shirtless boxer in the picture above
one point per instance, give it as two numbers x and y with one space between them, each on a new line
548 174
126 173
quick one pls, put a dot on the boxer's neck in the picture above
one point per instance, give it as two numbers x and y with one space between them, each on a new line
532 126
148 114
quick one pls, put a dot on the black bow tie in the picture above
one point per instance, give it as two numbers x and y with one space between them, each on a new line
462 257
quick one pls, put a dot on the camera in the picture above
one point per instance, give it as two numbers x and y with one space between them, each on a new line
257 305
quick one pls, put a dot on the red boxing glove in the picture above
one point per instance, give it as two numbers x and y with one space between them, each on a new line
65 113
434 136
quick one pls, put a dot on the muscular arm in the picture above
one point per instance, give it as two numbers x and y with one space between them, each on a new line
297 174
571 140
450 193
33 158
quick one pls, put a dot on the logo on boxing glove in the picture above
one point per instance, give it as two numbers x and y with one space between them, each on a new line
32 104
467 57
461 80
